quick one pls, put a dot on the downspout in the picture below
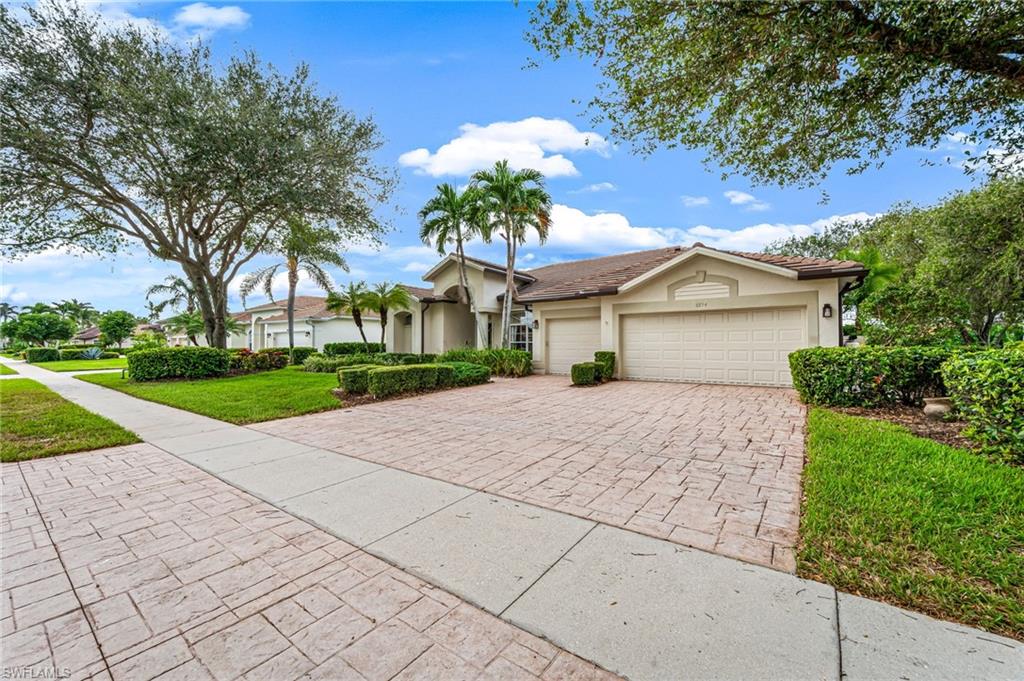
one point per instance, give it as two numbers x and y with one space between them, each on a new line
312 332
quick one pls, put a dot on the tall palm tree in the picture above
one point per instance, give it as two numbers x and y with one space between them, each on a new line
516 202
451 219
177 292
383 297
304 248
351 300
7 311
82 314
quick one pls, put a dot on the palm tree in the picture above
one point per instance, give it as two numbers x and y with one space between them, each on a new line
7 311
38 308
82 314
515 201
451 218
191 324
384 297
178 294
880 274
303 247
350 300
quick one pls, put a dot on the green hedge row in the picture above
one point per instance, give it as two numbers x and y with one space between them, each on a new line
501 361
184 362
34 355
388 381
266 359
323 364
79 353
868 376
299 353
352 348
467 373
988 391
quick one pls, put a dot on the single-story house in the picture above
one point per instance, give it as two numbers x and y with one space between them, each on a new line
266 326
693 313
91 334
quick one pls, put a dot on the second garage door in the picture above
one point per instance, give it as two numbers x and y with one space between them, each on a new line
748 347
571 341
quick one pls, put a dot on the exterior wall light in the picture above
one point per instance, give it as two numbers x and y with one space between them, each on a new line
536 324
826 311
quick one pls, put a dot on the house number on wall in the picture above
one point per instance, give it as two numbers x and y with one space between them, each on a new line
700 304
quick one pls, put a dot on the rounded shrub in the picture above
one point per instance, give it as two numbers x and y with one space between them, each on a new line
184 362
299 353
988 391
585 373
354 380
34 355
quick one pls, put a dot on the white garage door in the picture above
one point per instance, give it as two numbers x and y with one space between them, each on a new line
747 347
571 341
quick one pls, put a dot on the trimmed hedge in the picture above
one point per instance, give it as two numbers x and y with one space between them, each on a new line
605 360
352 348
266 359
321 364
185 362
868 376
586 373
354 380
388 381
299 353
988 391
467 373
34 355
109 355
501 361
74 353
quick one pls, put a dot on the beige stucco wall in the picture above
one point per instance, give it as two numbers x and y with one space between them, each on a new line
753 288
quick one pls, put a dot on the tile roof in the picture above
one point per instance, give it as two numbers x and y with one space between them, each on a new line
604 276
308 307
418 291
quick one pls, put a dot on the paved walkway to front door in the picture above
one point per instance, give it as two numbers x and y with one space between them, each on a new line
639 606
709 466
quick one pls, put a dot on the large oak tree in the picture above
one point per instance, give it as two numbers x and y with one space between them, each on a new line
785 90
115 135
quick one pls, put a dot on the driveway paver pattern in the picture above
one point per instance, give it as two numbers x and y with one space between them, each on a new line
130 563
710 466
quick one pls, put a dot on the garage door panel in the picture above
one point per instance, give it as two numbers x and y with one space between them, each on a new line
736 346
574 340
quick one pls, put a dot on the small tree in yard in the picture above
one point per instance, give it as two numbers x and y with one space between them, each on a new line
116 136
117 326
304 248
385 297
39 328
350 300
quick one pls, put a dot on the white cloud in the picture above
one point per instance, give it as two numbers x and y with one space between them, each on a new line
533 142
748 201
204 17
418 267
595 188
695 201
756 237
574 230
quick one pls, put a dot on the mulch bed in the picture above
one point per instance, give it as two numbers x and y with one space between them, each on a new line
914 420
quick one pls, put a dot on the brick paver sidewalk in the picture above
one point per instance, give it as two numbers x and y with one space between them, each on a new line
131 563
715 467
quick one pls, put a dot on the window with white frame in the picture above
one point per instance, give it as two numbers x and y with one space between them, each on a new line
522 331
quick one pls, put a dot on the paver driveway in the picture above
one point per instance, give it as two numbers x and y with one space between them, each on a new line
131 563
713 467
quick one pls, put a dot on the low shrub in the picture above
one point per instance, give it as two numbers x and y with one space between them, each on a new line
34 355
501 361
867 376
988 391
107 355
185 362
468 373
585 373
148 340
354 380
299 353
322 364
394 380
352 348
66 354
262 360
605 360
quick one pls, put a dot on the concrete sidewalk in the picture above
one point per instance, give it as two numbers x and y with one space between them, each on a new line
641 607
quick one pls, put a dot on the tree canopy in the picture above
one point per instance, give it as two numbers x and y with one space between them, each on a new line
117 326
113 136
785 90
38 328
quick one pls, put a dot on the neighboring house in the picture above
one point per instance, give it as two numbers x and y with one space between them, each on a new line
92 334
679 314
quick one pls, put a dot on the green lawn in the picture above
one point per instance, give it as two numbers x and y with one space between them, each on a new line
38 422
6 370
238 399
907 520
84 364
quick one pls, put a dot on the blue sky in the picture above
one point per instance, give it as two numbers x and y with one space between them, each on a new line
448 87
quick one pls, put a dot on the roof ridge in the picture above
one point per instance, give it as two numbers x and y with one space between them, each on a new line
613 255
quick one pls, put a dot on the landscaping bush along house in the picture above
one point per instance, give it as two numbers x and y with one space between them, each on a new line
987 389
586 373
356 380
867 376
388 381
323 364
352 348
605 359
186 362
299 353
501 361
245 360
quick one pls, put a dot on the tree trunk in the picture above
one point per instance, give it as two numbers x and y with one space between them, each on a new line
383 326
293 280
506 307
357 317
463 282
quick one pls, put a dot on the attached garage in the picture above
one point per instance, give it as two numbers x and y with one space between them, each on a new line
746 347
571 340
